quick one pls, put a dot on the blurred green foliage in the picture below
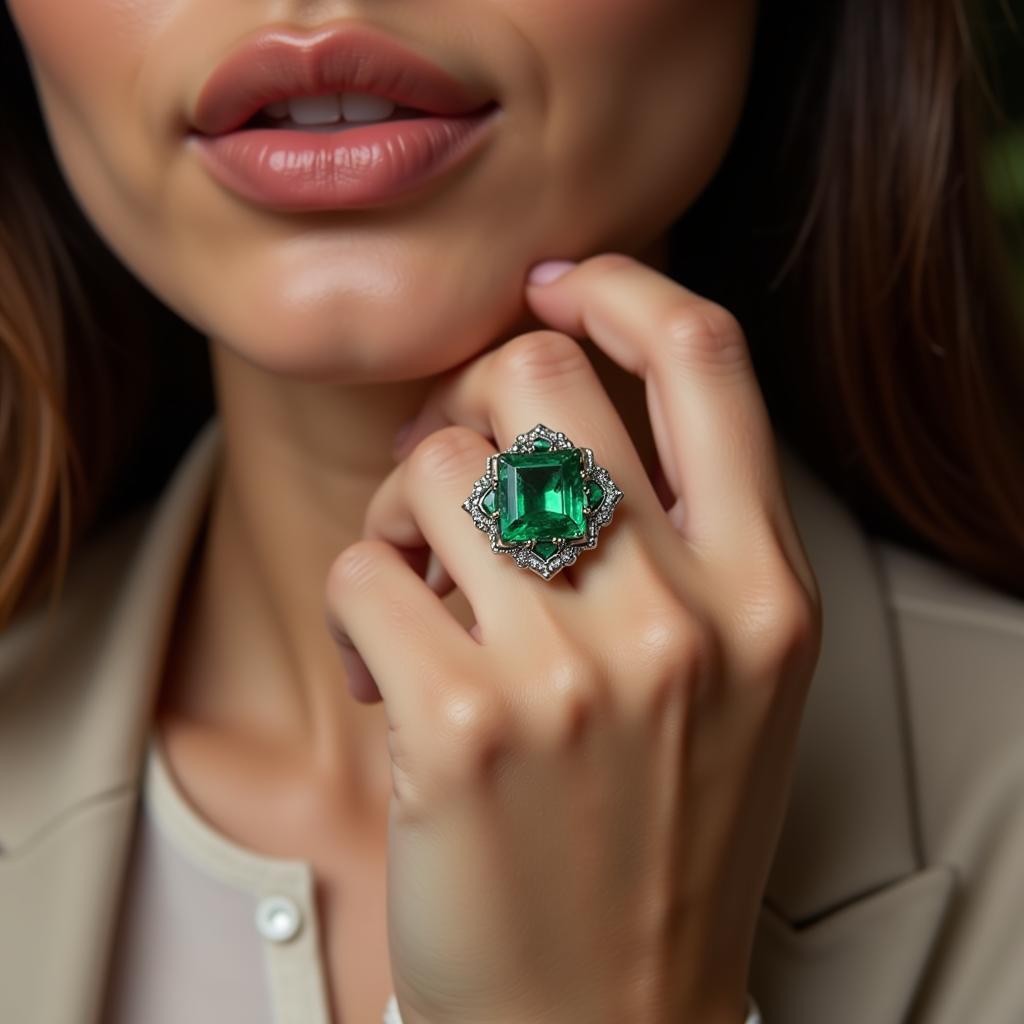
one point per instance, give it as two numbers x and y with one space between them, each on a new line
1005 158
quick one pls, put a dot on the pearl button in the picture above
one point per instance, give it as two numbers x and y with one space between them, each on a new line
278 918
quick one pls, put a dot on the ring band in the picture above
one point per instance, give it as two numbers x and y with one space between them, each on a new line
543 500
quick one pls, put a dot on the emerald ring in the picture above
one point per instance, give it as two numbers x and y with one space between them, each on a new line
543 500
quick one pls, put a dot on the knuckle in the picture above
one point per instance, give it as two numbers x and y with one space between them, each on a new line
540 356
673 638
572 692
473 722
704 333
452 755
445 454
785 628
356 567
674 646
572 678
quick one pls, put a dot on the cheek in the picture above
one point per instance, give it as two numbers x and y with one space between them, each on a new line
90 61
86 55
642 100
110 82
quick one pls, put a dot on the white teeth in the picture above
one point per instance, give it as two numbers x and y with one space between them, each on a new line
314 109
329 109
361 106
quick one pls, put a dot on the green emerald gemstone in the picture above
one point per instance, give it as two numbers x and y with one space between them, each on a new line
545 548
488 501
540 495
541 444
594 494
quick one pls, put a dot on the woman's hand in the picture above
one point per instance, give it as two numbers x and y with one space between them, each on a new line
589 784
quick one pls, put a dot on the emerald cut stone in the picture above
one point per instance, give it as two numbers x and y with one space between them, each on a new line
594 494
540 495
545 549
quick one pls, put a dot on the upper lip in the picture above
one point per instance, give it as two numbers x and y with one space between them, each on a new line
278 63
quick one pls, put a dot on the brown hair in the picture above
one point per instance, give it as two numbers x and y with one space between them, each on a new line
847 227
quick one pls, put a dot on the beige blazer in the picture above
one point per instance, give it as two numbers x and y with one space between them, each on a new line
897 891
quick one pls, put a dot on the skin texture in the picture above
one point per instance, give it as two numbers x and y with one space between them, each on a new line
329 330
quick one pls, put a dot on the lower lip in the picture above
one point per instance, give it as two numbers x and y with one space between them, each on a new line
289 169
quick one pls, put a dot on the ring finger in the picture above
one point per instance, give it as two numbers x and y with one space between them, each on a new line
419 504
545 376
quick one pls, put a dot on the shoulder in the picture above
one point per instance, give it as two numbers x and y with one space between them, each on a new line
61 628
896 877
79 675
950 622
53 715
960 648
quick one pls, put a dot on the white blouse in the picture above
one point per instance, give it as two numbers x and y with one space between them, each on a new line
211 932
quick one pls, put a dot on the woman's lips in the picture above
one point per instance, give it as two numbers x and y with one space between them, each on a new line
277 62
295 170
287 168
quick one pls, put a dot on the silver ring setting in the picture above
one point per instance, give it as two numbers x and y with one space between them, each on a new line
543 500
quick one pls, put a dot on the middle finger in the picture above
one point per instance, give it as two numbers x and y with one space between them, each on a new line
545 377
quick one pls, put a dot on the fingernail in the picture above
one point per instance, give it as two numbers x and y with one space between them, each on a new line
549 271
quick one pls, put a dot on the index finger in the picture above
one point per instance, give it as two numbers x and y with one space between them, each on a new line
708 415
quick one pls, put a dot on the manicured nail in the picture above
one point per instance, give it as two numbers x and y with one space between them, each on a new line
549 271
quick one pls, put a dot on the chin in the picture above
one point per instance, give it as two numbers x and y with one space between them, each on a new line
317 334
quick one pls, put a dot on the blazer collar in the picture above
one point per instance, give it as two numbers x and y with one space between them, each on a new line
74 736
73 724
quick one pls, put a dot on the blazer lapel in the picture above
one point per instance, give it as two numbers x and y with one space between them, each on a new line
856 964
850 912
73 730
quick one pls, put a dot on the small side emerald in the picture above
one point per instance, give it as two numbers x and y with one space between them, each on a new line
541 444
545 549
595 493
488 501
